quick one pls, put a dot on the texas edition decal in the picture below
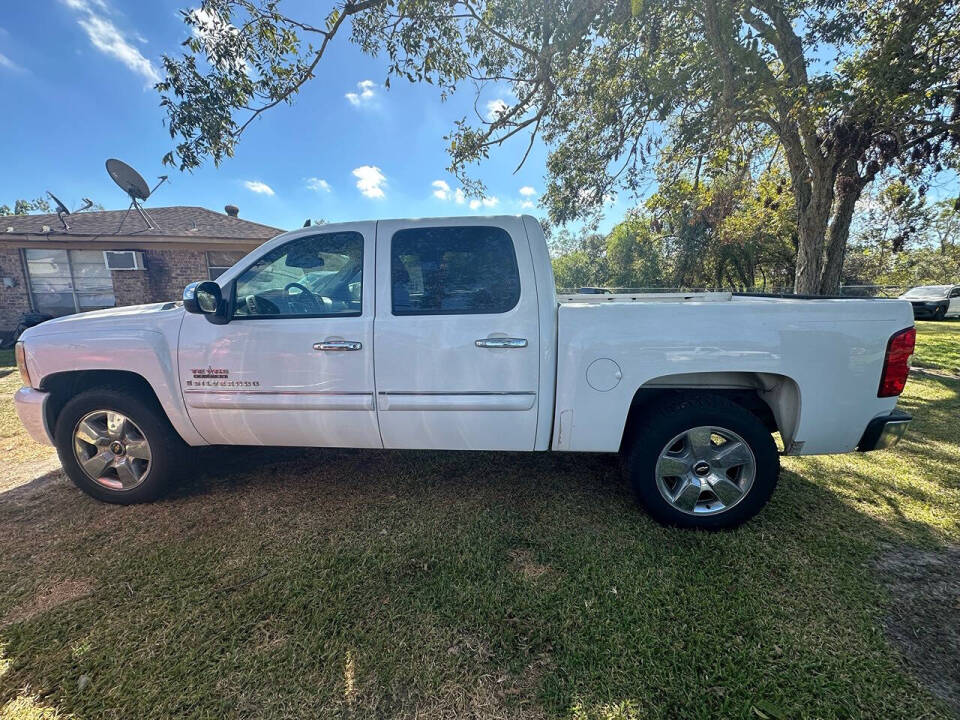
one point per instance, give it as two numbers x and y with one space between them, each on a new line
212 377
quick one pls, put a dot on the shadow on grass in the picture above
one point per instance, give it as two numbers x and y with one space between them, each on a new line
345 583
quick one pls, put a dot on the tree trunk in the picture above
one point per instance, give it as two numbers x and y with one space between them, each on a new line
837 236
811 231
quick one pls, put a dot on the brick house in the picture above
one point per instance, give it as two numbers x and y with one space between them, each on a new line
48 268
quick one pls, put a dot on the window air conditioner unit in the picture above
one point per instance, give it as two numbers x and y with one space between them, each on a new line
123 259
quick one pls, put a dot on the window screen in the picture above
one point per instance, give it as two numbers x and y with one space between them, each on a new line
453 271
68 281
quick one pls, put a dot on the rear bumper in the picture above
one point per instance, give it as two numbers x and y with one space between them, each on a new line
30 406
885 431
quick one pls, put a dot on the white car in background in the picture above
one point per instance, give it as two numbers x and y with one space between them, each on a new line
934 301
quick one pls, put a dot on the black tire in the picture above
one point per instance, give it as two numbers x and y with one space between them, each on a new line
664 422
166 446
940 313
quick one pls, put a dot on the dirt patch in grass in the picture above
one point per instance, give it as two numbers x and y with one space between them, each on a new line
488 697
923 620
523 563
48 598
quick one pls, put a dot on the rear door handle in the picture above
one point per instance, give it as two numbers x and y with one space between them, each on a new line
501 342
338 345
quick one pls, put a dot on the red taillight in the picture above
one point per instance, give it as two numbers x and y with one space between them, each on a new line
896 363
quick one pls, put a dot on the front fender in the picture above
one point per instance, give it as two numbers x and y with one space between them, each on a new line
149 353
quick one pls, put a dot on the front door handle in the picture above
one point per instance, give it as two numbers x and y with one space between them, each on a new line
338 345
501 342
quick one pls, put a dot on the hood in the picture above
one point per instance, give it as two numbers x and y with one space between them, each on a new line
923 298
138 316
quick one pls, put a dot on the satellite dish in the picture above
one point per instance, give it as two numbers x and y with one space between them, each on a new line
133 184
61 209
129 180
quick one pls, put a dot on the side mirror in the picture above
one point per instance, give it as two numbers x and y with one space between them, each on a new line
203 298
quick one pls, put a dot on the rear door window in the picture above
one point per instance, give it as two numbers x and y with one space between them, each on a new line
453 271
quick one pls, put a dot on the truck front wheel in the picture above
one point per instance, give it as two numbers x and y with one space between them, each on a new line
702 461
117 447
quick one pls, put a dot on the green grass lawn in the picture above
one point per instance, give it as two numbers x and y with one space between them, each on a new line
355 584
938 345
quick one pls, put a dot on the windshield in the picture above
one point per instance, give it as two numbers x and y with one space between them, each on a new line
928 291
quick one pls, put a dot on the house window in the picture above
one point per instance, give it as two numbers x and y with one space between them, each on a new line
68 281
219 261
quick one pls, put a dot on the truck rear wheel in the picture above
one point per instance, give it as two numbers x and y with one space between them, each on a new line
117 447
702 461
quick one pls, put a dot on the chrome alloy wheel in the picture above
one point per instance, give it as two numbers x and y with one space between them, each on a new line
111 450
705 470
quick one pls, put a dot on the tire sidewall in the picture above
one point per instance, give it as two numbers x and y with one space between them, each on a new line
666 423
155 428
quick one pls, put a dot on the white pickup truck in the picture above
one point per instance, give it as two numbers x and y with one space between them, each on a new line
449 334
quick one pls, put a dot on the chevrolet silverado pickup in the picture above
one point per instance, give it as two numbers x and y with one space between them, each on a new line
449 334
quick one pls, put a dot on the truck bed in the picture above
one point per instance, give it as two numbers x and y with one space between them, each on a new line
817 362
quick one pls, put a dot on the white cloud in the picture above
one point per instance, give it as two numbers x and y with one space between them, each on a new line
487 202
495 108
459 197
441 190
317 184
370 181
109 39
527 191
9 64
258 187
365 96
526 204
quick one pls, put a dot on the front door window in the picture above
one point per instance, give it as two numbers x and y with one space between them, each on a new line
314 276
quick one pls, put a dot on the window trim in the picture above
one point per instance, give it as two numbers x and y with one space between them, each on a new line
513 254
295 316
73 289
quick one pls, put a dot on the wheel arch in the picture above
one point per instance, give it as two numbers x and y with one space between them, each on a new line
773 398
64 385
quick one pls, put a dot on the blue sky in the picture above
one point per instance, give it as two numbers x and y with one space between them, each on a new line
76 79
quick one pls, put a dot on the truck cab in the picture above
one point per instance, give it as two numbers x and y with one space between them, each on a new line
429 338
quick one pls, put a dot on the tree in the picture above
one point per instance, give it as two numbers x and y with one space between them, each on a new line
849 88
945 225
724 228
720 229
901 240
25 207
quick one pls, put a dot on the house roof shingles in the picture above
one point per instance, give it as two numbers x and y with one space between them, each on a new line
181 222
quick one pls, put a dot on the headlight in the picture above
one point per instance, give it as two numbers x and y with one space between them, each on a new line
22 364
